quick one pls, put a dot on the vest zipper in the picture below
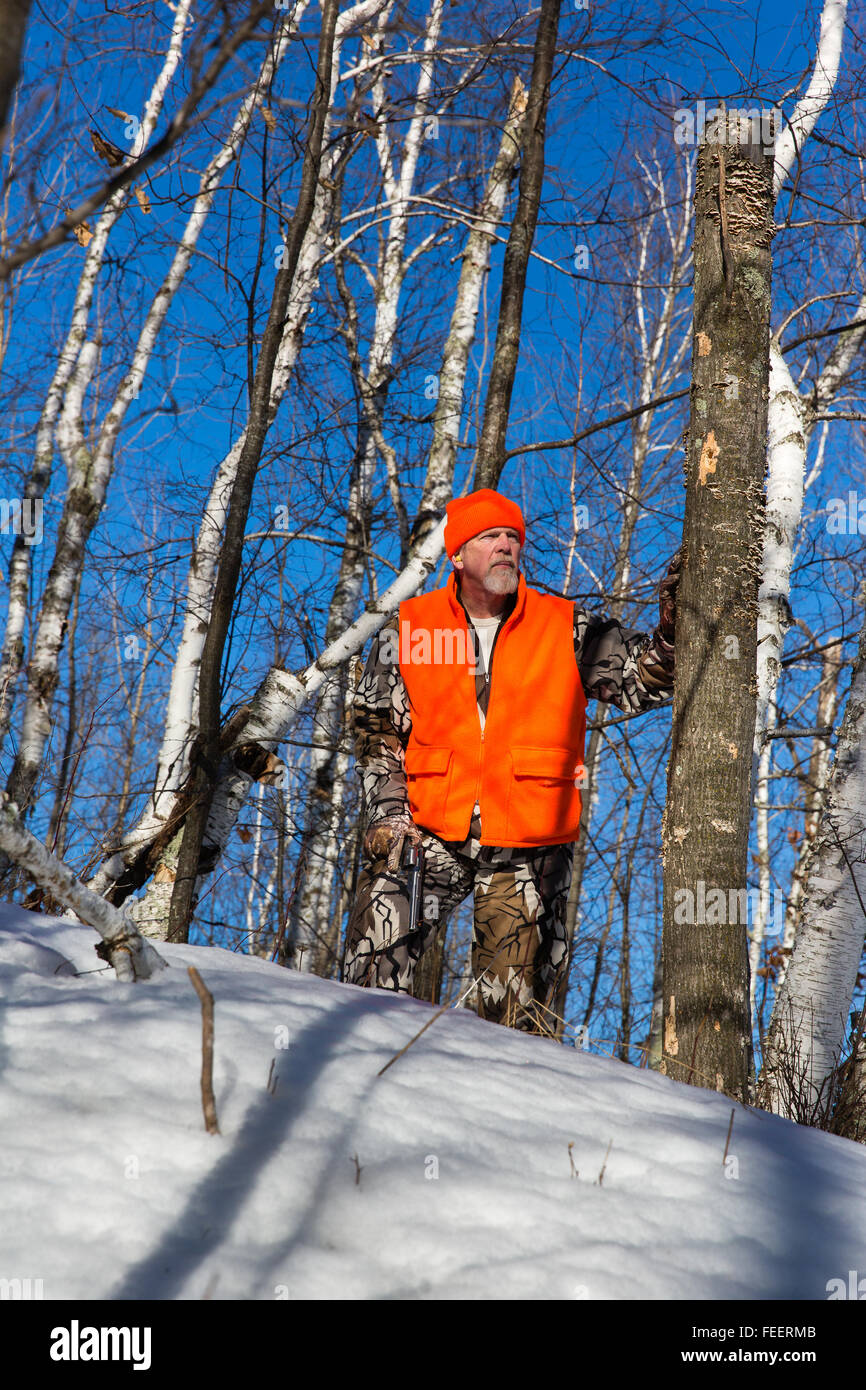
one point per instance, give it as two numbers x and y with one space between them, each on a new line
488 676
476 641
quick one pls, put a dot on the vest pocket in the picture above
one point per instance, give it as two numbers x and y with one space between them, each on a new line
428 775
543 800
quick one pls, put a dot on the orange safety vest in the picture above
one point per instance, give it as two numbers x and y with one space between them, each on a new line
526 767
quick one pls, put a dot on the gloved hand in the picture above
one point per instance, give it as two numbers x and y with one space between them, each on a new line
668 597
385 839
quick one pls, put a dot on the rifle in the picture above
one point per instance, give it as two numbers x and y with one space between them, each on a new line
414 863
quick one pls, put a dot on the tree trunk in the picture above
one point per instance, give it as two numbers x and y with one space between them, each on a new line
817 778
809 1022
123 947
13 26
207 765
707 1033
490 455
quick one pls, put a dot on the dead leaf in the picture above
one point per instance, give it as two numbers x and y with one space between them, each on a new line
269 118
244 835
83 234
106 150
273 772
704 345
143 200
123 115
164 874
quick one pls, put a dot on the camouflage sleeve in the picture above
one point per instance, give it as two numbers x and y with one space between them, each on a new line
381 724
632 670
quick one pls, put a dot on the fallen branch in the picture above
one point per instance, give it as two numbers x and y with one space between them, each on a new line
208 1103
122 944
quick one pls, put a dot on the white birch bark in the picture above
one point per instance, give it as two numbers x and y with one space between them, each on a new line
787 439
818 778
253 890
790 423
810 1018
791 140
448 412
762 837
79 514
130 955
11 655
789 426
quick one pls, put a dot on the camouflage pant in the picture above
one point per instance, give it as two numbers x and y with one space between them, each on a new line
519 947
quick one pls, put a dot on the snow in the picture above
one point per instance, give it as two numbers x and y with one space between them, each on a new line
112 1189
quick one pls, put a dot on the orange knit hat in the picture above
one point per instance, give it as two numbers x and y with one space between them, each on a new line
480 511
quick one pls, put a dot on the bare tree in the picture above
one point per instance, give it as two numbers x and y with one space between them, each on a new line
708 809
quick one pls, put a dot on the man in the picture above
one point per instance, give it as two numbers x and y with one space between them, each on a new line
469 737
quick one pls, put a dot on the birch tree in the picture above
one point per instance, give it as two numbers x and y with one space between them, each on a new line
39 478
810 1018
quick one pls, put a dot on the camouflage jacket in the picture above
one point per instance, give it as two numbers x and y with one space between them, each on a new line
632 670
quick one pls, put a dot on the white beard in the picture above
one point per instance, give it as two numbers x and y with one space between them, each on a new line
501 580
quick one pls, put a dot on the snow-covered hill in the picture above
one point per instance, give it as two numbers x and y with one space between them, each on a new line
449 1176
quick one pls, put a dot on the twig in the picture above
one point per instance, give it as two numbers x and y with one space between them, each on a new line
728 1140
208 1103
604 1165
358 1170
406 1047
574 1172
71 780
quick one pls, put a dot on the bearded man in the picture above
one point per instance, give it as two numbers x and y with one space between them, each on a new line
469 725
